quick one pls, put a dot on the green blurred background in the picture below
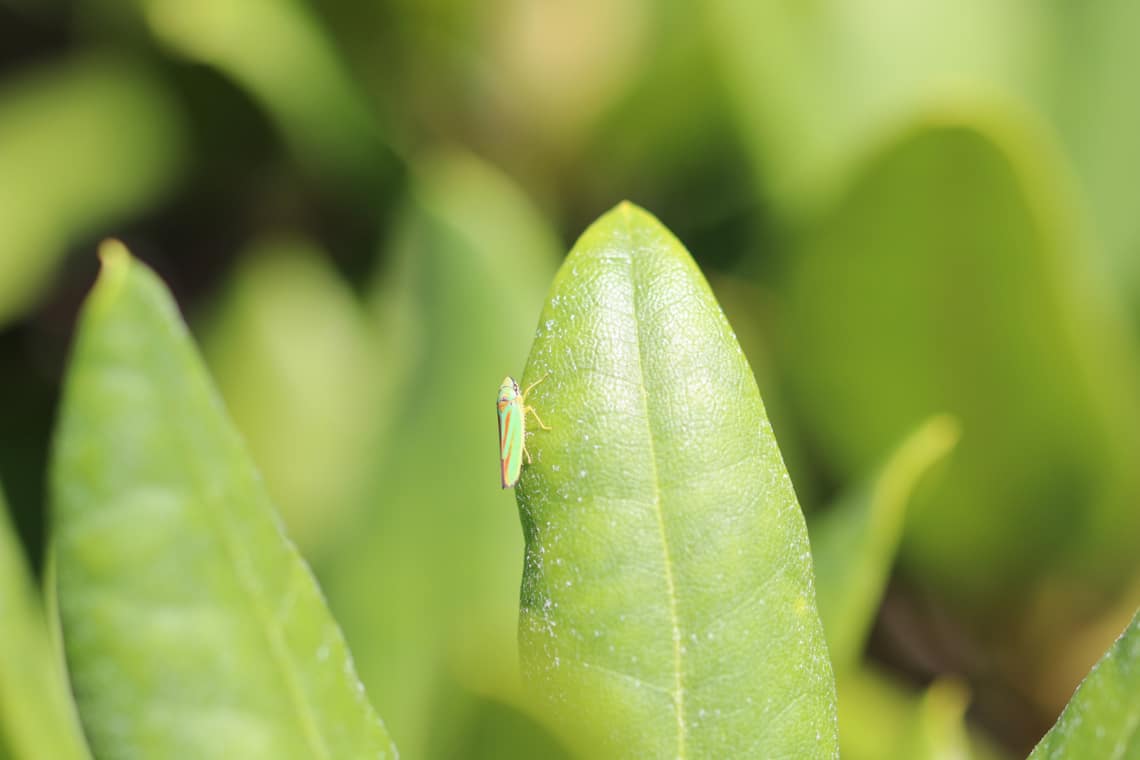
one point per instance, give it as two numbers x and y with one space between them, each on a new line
906 209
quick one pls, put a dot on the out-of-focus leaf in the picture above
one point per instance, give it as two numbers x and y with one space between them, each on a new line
291 350
1103 717
854 543
293 71
191 626
943 283
37 718
82 145
880 720
1091 102
667 602
486 728
472 260
557 66
818 86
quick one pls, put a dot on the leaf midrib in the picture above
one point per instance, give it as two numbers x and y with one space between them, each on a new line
670 585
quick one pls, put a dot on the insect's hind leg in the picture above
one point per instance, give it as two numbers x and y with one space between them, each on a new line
541 424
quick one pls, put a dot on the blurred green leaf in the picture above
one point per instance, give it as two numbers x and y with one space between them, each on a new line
37 718
291 350
944 283
471 261
490 729
881 720
191 626
1090 98
667 602
818 86
1103 717
294 72
83 145
854 543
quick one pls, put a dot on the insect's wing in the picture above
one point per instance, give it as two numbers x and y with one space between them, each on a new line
511 441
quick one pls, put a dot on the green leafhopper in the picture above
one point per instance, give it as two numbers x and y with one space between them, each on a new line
512 428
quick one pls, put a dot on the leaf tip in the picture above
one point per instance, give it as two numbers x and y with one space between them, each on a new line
112 253
628 210
115 260
115 264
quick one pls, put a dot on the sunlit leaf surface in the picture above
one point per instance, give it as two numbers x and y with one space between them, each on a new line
667 604
191 626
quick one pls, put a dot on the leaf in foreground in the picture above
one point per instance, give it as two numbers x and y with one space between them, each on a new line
191 626
667 602
36 716
1103 717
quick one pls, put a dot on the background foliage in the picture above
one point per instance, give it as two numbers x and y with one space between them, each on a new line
918 217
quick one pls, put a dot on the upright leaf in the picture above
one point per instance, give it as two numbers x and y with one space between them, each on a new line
1103 717
472 261
291 350
37 717
667 602
191 626
854 543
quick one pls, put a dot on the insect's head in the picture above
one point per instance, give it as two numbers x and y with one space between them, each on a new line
508 390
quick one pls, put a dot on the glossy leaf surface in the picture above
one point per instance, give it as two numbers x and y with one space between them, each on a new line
1103 717
668 608
191 626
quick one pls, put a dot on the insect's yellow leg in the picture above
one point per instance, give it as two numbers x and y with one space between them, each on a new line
531 386
526 454
541 424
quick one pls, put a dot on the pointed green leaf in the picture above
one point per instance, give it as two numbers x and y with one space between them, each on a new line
667 601
191 626
1103 717
37 717
854 543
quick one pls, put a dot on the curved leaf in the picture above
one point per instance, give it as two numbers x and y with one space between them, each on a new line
123 148
958 294
854 543
667 600
819 86
37 717
294 72
1103 717
191 626
291 351
472 261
